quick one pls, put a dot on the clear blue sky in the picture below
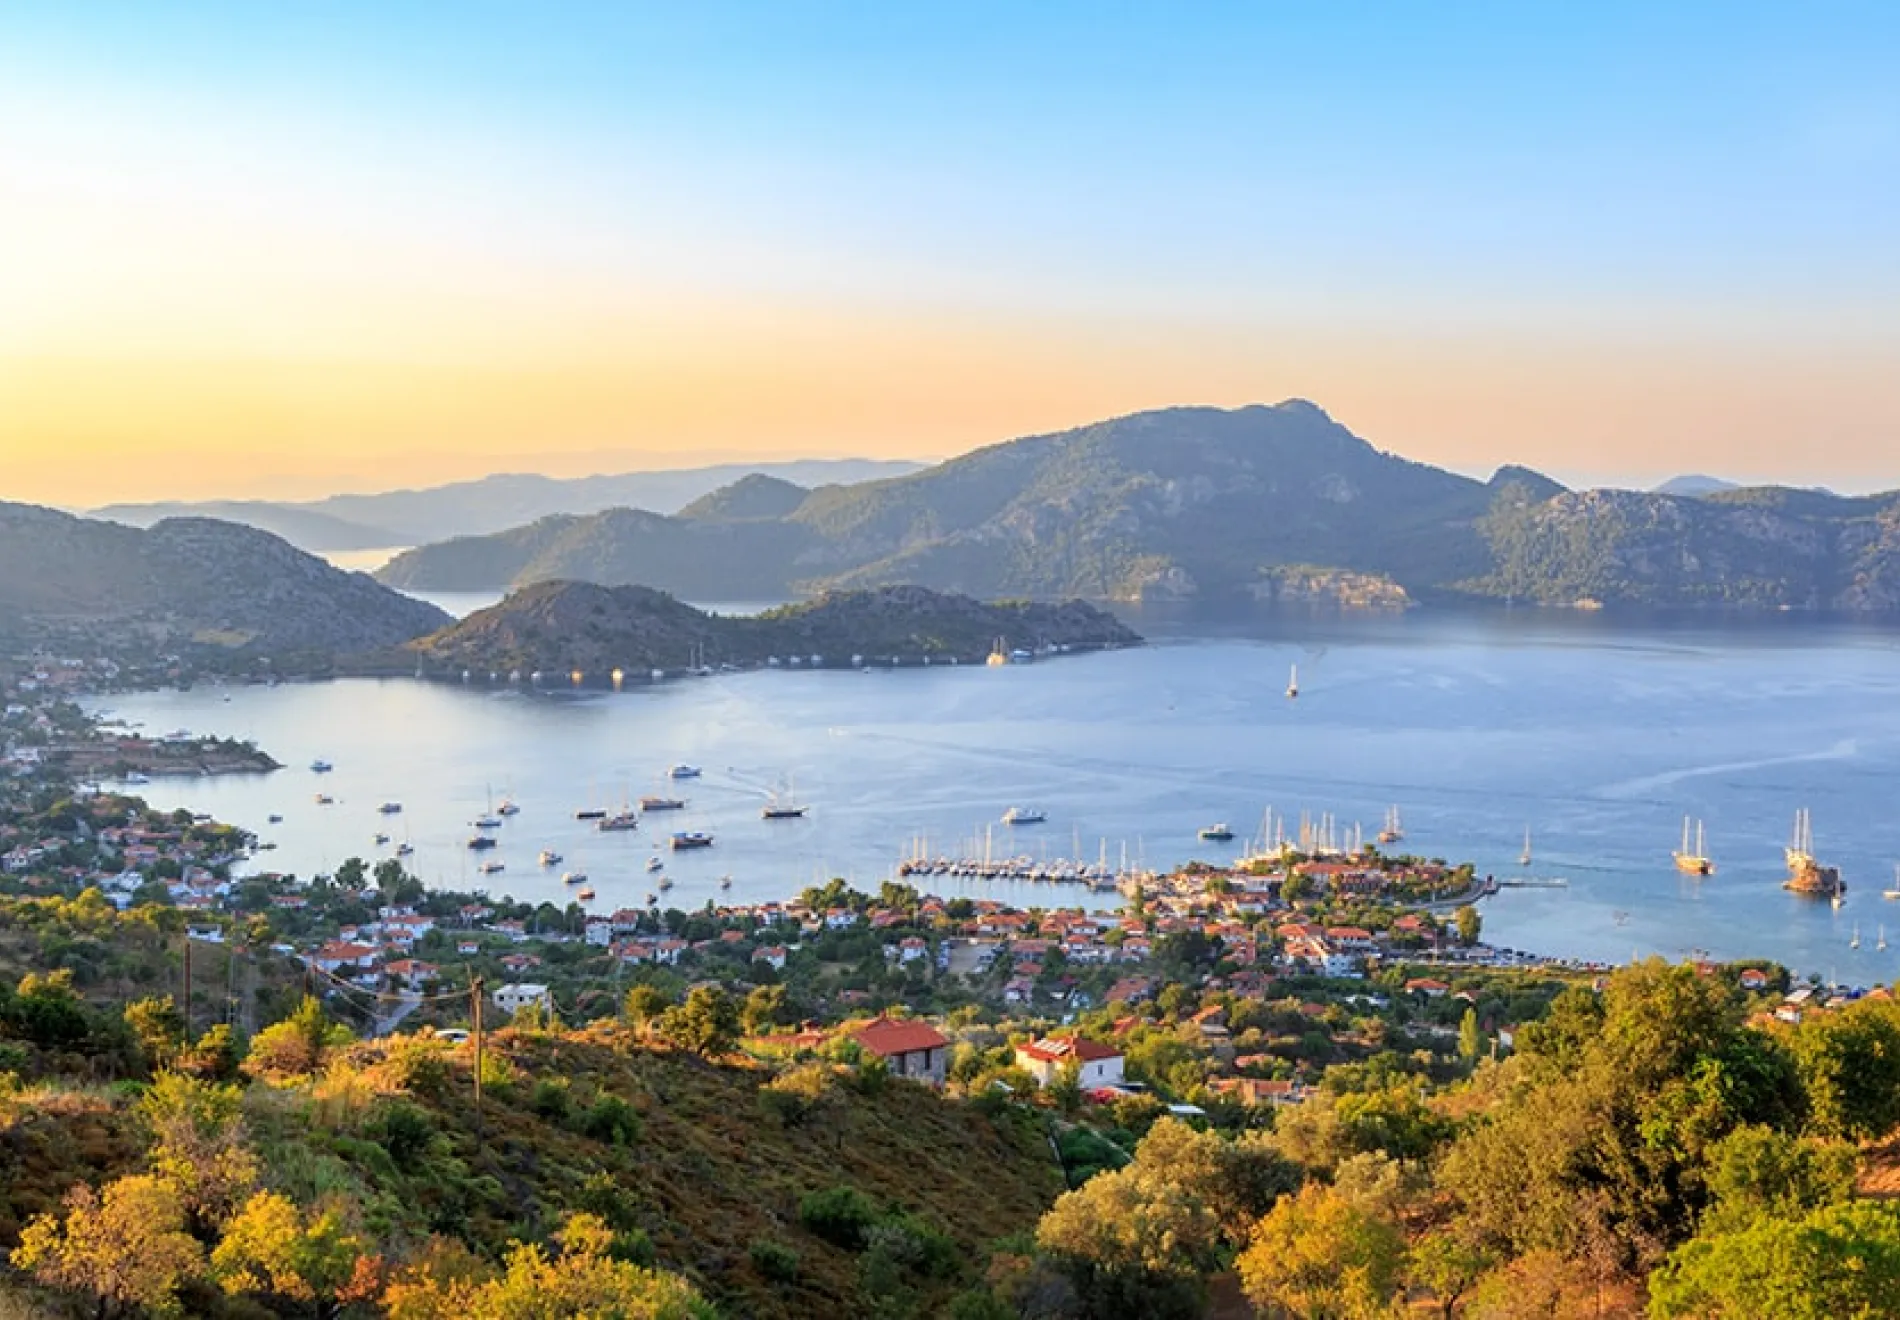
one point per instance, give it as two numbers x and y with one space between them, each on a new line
1612 240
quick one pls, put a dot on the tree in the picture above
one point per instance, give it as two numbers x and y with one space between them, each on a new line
273 1248
1469 924
764 1008
1449 1266
296 1046
707 1023
127 1247
583 1280
158 1027
1849 1063
1841 1260
199 1146
1470 1039
1319 1257
644 1003
1065 1087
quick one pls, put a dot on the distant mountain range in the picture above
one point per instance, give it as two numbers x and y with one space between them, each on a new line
1695 485
560 627
1264 502
470 508
187 585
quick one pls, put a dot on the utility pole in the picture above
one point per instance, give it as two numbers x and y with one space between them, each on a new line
475 1016
188 983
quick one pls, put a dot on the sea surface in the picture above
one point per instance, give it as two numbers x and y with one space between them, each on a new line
1595 733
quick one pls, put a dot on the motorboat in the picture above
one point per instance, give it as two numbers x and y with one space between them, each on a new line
620 820
1023 816
662 804
381 839
654 863
480 842
574 878
1221 833
687 839
325 800
591 813
508 807
683 772
493 868
550 858
390 808
586 895
321 767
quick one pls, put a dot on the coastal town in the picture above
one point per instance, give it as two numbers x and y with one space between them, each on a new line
1258 975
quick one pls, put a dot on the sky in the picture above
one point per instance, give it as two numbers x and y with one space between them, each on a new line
279 251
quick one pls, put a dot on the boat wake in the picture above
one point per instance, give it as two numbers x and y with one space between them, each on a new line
1844 750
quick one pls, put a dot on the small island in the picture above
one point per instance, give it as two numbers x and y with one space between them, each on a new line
568 627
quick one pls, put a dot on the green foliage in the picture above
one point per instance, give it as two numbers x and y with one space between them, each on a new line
774 1261
1840 1260
707 1023
610 1120
126 1246
1316 1254
1849 1061
840 1215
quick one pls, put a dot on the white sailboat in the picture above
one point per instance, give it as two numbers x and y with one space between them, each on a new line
1293 683
1855 942
1881 942
1524 858
1895 891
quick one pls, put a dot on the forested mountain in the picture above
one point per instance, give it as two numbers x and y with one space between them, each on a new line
188 582
1257 502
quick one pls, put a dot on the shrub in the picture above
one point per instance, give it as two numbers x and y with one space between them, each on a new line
551 1099
611 1120
774 1260
841 1216
793 1097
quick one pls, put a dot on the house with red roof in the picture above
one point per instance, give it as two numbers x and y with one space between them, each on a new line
910 1048
1096 1064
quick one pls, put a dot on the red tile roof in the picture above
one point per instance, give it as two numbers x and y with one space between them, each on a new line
1055 1049
886 1037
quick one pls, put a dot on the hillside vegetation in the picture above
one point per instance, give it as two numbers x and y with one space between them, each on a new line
563 626
188 583
1218 504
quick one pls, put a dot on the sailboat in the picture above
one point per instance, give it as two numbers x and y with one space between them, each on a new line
1693 861
1393 831
1855 942
1895 891
1293 683
1881 942
1524 858
1805 874
783 806
999 654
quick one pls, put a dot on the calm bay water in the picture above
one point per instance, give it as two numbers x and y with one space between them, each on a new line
1596 734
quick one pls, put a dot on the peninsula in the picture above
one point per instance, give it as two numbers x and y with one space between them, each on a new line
563 627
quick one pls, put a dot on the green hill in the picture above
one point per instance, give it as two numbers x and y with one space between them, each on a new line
563 626
185 584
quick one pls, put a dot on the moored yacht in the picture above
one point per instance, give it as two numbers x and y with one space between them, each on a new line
1216 833
686 839
662 803
683 772
620 820
550 858
1023 816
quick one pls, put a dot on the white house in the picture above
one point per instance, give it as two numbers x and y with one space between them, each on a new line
1097 1065
513 998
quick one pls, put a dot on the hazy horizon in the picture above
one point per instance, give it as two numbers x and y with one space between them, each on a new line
277 254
